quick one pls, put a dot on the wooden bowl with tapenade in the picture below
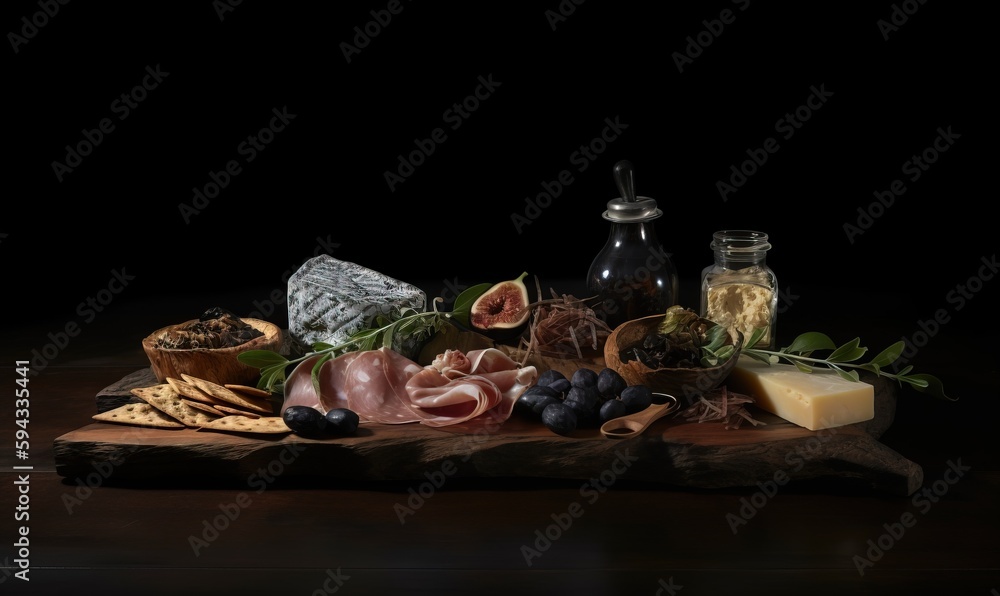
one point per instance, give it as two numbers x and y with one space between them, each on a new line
208 347
672 363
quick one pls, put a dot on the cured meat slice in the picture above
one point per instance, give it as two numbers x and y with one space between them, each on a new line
384 386
375 385
510 384
298 387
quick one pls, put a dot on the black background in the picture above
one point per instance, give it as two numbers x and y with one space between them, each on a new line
320 185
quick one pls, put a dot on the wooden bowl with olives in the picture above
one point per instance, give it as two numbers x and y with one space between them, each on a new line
672 363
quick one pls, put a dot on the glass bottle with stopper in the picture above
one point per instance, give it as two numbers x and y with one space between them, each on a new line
632 276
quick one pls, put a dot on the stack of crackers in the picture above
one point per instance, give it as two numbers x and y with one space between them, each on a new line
190 402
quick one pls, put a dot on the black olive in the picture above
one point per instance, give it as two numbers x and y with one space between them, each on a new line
341 421
303 420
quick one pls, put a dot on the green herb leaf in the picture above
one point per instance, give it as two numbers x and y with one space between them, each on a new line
802 366
800 351
463 304
850 375
934 387
261 358
716 337
810 342
755 337
848 352
889 355
757 356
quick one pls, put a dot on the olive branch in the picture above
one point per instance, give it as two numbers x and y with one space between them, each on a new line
843 360
389 331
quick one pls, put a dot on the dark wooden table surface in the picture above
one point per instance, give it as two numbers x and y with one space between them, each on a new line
498 535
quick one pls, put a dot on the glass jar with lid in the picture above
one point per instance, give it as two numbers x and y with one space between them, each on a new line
739 290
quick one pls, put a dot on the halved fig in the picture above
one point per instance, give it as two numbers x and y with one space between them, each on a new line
501 309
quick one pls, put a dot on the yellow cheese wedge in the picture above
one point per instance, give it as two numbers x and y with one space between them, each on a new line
816 400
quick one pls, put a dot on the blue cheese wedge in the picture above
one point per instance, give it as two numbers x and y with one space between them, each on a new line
815 400
329 300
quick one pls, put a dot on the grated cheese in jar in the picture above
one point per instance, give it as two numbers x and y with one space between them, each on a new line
739 291
741 307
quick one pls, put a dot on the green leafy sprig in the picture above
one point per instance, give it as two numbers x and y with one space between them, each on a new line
401 326
683 326
843 359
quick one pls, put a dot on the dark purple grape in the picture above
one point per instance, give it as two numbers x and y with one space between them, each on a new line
613 408
542 390
550 376
544 402
561 386
584 377
559 418
586 396
610 384
636 398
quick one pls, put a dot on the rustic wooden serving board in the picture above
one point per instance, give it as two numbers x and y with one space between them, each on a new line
672 452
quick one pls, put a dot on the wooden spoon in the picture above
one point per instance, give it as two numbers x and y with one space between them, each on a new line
633 425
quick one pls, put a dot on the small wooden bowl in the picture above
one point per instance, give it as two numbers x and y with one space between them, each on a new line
218 365
686 384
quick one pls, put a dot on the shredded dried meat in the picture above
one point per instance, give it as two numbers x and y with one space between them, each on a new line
721 405
564 327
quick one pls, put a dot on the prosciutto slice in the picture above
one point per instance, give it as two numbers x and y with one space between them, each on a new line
466 390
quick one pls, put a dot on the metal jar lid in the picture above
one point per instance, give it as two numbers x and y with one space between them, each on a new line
639 210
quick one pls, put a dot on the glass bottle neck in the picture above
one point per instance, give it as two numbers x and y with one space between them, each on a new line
634 231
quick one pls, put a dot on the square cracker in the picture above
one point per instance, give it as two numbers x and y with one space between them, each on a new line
191 392
229 396
208 408
165 399
248 390
237 423
222 409
138 414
